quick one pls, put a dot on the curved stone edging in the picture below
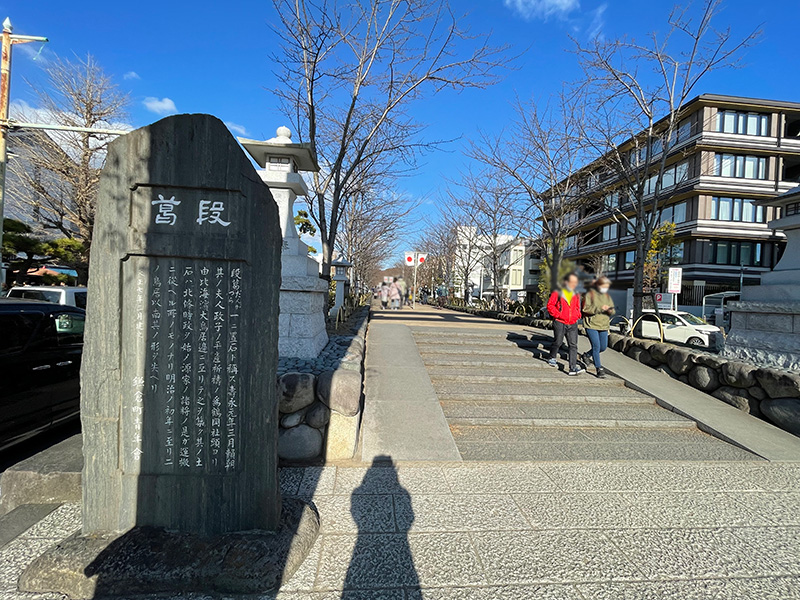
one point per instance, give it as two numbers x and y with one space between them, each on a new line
320 411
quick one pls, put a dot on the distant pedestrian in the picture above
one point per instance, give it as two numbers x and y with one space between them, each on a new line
395 295
384 294
401 285
564 306
598 308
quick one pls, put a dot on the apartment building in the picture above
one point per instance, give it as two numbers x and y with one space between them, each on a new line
727 155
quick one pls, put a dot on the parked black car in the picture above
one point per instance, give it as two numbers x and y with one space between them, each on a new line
40 359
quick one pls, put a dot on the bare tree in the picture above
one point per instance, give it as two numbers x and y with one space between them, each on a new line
372 225
54 174
350 70
538 160
638 93
440 241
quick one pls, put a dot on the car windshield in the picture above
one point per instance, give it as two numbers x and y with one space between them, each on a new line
692 320
46 295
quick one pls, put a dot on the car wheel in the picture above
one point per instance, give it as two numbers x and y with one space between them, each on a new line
696 342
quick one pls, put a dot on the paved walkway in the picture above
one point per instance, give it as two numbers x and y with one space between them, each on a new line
723 525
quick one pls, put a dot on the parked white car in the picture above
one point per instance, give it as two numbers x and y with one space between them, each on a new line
683 328
69 296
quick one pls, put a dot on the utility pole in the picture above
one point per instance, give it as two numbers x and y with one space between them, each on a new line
8 40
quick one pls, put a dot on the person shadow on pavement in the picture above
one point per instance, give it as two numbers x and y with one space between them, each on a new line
382 560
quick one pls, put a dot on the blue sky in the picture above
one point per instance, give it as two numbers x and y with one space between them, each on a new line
200 56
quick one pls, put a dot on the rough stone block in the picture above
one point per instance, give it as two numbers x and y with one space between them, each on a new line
340 390
739 398
703 378
299 443
296 391
342 436
767 322
779 384
739 374
318 415
784 412
680 360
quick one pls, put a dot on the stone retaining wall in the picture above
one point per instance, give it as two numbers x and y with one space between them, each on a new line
320 401
767 393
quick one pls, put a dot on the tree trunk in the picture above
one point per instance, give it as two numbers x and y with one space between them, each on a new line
638 286
555 266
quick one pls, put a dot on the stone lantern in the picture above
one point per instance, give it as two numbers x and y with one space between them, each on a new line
341 276
765 324
303 295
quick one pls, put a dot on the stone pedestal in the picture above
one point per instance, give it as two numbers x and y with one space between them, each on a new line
178 399
765 324
303 295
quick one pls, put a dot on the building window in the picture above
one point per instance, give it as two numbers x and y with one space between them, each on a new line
748 254
609 263
791 209
675 213
676 253
743 123
736 209
630 259
743 167
516 277
609 233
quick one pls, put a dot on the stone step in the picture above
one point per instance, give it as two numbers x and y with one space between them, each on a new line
543 387
516 377
467 350
553 413
493 342
544 398
568 423
600 435
490 361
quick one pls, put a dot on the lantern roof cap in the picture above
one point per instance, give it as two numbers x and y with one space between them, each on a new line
281 145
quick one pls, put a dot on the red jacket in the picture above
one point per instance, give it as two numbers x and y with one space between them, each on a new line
563 311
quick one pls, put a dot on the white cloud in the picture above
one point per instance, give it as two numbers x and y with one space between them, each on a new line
164 106
131 75
236 128
542 9
595 29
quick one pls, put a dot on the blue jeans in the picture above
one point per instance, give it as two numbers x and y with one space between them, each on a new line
599 341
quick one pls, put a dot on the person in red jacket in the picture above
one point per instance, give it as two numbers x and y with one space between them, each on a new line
564 306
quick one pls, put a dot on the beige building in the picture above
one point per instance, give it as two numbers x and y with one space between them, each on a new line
728 154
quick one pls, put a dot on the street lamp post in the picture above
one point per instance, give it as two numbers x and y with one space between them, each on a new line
8 40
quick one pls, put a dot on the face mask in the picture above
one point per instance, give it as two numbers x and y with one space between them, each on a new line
603 290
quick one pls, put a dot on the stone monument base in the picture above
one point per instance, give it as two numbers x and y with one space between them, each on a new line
148 560
766 332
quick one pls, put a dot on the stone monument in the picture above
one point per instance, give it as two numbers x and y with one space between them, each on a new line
178 398
765 324
304 295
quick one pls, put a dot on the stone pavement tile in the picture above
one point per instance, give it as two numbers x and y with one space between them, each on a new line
594 477
350 514
498 592
511 451
690 477
16 556
391 480
764 588
780 544
580 511
654 590
563 556
389 560
290 478
693 553
8 595
498 478
776 508
460 513
694 509
766 476
317 480
387 594
651 452
59 524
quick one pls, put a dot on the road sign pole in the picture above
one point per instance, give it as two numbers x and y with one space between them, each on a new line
414 296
